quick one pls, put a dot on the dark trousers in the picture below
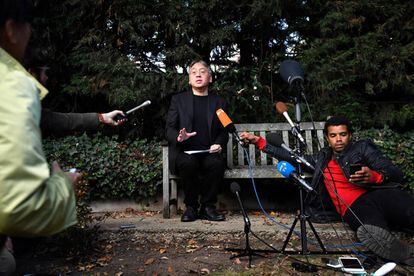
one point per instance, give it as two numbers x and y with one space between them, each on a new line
391 209
201 175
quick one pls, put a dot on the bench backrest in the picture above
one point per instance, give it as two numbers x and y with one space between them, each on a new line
313 134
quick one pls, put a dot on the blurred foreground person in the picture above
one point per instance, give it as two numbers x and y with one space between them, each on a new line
33 200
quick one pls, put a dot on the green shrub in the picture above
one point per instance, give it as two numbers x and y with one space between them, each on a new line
112 169
398 147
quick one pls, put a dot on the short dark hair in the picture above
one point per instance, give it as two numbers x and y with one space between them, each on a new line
17 10
337 120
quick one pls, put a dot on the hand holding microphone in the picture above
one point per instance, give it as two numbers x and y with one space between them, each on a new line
120 117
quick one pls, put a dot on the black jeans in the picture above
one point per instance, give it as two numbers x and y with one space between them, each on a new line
201 175
390 209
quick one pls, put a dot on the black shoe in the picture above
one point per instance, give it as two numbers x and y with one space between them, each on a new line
386 245
210 213
190 214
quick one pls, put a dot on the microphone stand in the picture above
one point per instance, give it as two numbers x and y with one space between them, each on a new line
247 251
302 217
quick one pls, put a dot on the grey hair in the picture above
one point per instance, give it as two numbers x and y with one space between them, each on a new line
203 63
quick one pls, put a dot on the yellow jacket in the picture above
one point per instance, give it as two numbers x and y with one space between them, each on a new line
32 201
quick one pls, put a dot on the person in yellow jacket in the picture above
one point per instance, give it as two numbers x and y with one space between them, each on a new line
33 200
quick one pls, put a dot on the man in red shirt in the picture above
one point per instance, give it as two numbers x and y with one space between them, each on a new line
367 199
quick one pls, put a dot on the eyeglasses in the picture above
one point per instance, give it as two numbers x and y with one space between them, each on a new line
201 71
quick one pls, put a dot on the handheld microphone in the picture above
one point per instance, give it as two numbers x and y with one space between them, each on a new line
281 108
121 117
228 124
383 270
235 188
275 139
287 170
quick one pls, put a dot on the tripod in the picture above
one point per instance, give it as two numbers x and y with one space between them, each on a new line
302 217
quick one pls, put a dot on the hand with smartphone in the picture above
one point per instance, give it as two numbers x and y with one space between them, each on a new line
359 173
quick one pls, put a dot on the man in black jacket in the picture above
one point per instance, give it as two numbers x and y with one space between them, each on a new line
192 125
366 199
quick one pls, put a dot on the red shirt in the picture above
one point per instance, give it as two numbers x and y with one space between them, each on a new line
346 192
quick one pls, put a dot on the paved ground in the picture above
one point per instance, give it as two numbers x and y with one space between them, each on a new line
132 242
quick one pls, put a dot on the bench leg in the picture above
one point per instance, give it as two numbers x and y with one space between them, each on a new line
173 198
166 197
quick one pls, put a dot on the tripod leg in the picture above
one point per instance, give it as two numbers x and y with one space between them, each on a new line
289 235
316 235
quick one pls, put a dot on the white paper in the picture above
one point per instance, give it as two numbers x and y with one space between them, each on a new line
195 151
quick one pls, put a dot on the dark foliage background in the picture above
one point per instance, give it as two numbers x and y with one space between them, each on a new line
106 54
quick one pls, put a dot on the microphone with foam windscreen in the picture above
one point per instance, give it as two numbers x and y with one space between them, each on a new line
282 108
291 71
288 171
228 124
276 140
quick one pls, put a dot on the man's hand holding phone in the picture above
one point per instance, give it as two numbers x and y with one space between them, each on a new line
359 174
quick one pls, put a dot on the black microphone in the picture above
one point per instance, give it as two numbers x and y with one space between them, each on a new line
275 139
291 71
235 188
287 170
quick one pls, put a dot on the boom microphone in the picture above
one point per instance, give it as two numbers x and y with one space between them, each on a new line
281 108
275 139
287 170
291 71
228 124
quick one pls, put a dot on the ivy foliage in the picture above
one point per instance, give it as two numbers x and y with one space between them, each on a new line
398 147
112 169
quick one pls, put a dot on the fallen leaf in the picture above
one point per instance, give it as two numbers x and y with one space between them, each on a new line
237 261
149 261
141 269
170 270
162 250
205 271
119 273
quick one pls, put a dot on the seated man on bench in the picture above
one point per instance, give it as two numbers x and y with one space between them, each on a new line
192 125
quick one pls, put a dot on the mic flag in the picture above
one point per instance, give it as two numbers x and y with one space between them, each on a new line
225 120
285 169
290 71
288 171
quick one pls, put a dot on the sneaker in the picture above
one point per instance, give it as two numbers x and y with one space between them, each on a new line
386 245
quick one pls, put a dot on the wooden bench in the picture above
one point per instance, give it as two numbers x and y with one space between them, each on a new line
263 165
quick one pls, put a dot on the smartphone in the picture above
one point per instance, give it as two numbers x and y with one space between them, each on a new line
353 168
351 265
